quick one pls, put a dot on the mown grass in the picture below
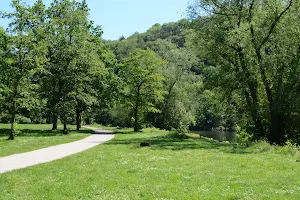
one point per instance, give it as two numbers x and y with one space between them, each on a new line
171 168
32 136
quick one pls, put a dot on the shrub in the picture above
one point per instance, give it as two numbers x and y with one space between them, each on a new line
262 146
244 138
4 118
182 128
288 149
22 120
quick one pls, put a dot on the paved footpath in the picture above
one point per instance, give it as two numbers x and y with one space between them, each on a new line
22 160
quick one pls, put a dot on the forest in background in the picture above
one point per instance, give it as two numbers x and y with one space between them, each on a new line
232 66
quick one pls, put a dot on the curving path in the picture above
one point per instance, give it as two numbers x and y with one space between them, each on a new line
18 161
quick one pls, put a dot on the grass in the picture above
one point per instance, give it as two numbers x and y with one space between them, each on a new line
171 168
31 137
111 128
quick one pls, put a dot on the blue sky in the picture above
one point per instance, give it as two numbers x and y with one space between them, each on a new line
125 17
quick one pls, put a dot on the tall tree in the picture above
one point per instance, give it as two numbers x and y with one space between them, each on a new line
144 86
176 110
71 54
27 51
4 61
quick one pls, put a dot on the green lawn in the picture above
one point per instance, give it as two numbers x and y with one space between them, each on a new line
171 168
32 137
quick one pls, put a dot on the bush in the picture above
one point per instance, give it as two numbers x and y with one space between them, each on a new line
262 146
5 118
244 138
36 116
288 149
182 128
22 120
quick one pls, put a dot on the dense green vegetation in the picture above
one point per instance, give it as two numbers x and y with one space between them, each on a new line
36 136
232 66
172 168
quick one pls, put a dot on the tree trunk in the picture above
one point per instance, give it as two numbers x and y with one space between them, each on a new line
275 137
78 119
276 126
164 109
65 131
54 125
136 120
12 120
251 96
136 109
13 111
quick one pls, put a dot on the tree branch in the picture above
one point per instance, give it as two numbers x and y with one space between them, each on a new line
277 18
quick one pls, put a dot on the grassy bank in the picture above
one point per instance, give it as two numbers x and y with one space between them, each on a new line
172 168
32 136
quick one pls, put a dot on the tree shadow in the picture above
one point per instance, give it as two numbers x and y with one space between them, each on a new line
4 132
40 133
174 143
123 132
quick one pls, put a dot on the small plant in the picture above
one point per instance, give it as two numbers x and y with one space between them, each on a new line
288 149
244 138
182 129
262 146
17 129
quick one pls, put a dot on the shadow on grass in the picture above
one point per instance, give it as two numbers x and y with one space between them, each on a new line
40 133
171 143
123 132
175 143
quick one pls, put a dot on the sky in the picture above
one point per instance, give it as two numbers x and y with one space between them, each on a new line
124 17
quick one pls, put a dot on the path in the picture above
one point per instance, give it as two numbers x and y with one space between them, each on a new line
18 161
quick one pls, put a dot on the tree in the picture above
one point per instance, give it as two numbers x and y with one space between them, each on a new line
251 50
26 52
3 67
176 109
72 55
144 86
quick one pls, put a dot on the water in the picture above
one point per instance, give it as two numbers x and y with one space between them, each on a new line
221 136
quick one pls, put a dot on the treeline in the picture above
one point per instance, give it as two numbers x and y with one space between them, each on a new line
232 64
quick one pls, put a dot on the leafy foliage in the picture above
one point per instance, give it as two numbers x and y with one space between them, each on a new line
143 82
251 53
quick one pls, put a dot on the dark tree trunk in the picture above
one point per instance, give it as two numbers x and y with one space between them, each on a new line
258 128
65 131
276 135
13 112
78 119
54 123
164 109
136 120
12 121
251 96
136 109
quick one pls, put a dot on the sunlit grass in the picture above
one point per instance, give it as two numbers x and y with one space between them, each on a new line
171 168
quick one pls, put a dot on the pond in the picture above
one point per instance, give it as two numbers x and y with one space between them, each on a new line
220 136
